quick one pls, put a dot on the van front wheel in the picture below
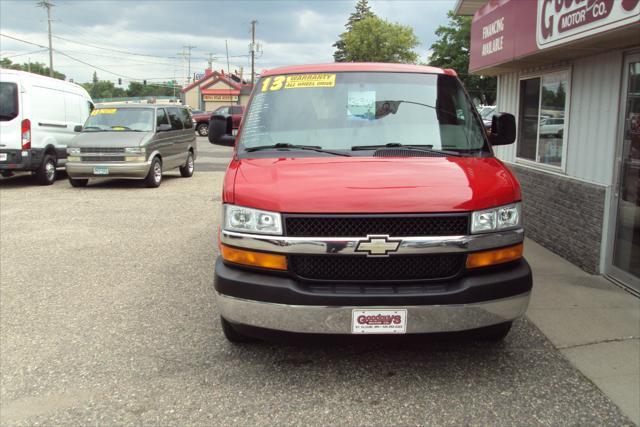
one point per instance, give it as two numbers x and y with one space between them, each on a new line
154 177
76 182
46 173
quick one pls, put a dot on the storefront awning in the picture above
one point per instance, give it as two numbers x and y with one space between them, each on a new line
512 34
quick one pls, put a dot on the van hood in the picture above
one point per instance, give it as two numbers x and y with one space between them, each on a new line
371 185
108 139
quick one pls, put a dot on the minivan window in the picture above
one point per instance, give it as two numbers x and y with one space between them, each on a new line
223 111
236 110
161 117
174 118
186 118
8 101
120 119
345 110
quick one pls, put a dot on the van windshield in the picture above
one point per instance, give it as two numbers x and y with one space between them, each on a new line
120 119
8 101
351 111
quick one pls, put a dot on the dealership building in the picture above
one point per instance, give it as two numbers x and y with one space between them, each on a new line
216 89
569 71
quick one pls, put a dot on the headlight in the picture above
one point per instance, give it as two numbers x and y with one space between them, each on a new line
496 219
239 218
134 150
73 151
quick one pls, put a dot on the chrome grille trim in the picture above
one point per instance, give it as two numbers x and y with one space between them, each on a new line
347 245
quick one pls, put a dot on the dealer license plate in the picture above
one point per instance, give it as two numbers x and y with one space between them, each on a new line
101 171
379 321
3 157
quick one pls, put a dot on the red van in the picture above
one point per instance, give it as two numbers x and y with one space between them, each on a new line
366 199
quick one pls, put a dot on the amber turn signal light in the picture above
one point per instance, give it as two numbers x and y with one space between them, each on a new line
253 259
495 256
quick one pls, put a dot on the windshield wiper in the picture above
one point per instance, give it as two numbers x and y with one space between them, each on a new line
284 146
93 127
426 148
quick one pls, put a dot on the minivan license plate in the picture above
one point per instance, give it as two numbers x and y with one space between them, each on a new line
379 321
101 171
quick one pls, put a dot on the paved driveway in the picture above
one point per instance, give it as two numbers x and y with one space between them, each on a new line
107 316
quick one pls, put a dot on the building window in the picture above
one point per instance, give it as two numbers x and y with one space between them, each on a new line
543 112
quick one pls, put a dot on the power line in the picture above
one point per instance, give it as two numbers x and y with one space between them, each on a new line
113 50
27 53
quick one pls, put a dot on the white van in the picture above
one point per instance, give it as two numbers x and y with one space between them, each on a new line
38 115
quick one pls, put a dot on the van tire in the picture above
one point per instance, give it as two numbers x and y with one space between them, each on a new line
46 172
154 176
495 333
232 335
187 169
202 129
78 182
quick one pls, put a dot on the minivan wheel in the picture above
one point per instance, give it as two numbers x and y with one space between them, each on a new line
187 169
495 333
46 173
78 182
232 334
203 129
154 176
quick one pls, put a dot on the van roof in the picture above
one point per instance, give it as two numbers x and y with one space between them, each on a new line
19 74
336 67
139 105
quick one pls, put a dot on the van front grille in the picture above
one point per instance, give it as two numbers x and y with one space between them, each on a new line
102 158
361 226
106 150
360 268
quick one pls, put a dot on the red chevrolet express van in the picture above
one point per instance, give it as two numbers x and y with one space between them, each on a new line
366 199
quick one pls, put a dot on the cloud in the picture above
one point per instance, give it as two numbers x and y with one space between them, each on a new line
290 31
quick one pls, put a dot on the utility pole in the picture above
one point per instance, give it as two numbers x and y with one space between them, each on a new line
48 5
189 47
226 45
210 60
253 50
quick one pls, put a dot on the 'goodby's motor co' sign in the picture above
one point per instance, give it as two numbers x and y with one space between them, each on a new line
505 30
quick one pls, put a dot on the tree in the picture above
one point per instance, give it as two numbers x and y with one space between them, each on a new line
362 11
33 67
375 40
451 50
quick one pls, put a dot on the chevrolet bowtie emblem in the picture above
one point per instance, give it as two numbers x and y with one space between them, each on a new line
378 245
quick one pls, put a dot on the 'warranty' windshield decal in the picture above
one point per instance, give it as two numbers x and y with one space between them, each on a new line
298 81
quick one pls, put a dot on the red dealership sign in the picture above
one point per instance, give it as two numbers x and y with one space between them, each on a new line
504 30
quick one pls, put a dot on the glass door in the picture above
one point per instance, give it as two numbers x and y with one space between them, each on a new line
624 256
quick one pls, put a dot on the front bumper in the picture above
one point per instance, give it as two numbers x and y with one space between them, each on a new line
474 300
317 319
132 170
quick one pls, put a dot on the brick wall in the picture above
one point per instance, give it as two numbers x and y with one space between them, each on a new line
564 215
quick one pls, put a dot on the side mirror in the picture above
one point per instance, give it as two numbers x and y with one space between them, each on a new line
221 129
77 128
503 129
164 127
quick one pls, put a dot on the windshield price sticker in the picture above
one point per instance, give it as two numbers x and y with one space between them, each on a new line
298 81
379 321
104 111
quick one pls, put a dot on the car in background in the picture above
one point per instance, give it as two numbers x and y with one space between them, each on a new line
37 118
486 113
201 121
132 141
552 127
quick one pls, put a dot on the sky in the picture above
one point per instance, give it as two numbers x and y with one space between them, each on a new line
136 40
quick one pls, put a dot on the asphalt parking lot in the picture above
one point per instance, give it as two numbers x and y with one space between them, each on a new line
107 316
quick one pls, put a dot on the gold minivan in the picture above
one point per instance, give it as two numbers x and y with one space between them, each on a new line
133 141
